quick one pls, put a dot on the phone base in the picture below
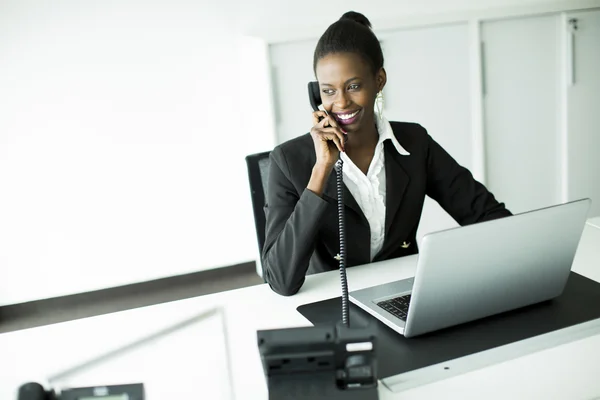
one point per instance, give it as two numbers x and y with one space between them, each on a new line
316 386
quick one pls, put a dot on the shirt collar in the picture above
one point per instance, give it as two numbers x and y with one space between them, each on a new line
384 128
385 132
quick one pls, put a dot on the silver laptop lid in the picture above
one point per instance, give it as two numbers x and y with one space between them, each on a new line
483 269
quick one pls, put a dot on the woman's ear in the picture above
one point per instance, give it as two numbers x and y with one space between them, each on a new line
381 79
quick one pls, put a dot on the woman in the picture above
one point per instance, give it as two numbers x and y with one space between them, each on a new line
389 168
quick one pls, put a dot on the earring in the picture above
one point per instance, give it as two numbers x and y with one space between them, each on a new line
379 103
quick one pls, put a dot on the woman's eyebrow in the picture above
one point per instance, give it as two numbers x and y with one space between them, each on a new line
345 83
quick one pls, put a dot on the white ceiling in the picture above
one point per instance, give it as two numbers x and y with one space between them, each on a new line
305 18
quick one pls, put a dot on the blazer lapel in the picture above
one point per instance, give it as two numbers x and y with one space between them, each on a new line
396 182
349 201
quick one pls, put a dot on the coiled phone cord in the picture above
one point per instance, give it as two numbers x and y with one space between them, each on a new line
342 230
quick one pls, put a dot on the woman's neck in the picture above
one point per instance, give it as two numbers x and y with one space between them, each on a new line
363 141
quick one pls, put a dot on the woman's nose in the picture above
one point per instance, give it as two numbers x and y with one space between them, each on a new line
341 101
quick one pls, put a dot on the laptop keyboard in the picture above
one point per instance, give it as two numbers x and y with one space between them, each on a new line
398 306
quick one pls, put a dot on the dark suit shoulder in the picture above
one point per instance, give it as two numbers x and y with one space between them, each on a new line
301 144
296 158
412 136
297 151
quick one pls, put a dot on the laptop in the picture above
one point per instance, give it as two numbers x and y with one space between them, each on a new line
475 271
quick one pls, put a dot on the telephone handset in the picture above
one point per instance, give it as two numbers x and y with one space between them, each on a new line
314 95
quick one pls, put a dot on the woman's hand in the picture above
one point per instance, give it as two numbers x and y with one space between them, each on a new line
328 139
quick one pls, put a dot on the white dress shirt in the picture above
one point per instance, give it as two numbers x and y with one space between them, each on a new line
369 190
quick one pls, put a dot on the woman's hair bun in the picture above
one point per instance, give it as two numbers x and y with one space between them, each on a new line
351 33
356 17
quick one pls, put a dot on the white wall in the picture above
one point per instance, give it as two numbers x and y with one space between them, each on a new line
291 70
123 131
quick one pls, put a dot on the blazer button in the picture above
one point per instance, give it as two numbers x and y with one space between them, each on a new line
405 245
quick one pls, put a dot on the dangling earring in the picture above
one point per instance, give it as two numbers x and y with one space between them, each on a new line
379 103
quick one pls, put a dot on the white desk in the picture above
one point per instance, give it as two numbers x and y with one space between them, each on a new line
569 371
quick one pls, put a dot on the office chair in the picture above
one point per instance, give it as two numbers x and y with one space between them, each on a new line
258 173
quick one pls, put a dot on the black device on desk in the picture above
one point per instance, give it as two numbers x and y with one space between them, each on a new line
328 362
35 391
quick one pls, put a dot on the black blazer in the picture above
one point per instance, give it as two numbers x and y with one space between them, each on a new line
302 228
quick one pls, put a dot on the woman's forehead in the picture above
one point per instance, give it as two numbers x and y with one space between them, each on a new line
337 68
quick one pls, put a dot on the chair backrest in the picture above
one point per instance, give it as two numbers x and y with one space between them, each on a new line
258 174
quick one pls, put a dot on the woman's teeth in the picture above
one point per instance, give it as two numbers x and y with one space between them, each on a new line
347 116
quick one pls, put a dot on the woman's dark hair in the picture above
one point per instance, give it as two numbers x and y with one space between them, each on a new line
350 34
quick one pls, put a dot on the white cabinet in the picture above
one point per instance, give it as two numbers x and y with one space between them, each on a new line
542 109
522 110
583 109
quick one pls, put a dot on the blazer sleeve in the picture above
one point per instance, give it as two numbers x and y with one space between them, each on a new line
455 189
292 224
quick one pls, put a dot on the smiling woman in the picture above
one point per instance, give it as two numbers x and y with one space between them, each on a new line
389 168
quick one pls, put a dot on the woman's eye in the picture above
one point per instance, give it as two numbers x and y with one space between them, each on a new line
328 92
354 86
